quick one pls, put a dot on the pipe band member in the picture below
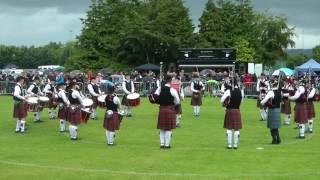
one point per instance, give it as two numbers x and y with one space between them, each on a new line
19 108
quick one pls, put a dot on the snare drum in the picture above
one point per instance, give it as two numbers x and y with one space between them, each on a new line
32 103
102 101
85 114
87 103
44 101
133 99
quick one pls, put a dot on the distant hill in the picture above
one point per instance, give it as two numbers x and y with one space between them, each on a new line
294 52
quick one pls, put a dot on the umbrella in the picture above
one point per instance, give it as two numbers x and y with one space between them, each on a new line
286 71
206 72
10 66
75 73
146 67
105 71
59 69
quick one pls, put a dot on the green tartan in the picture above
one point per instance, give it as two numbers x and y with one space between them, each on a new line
274 118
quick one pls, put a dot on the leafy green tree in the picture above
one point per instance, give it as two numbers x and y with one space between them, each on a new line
316 52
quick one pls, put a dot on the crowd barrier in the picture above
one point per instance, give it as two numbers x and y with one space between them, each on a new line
144 88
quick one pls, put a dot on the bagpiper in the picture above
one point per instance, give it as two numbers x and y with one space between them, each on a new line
34 90
301 112
231 100
128 88
95 92
262 88
273 100
168 100
19 108
176 84
310 106
112 116
63 104
197 89
51 92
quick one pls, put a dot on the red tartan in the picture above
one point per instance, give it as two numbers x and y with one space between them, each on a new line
301 113
95 102
286 107
113 123
166 118
74 117
232 119
19 110
62 113
310 108
196 100
125 100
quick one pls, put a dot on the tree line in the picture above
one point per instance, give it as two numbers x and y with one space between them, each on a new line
124 33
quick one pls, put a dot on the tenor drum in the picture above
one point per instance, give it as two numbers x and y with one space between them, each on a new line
102 101
133 99
87 103
32 103
44 101
85 114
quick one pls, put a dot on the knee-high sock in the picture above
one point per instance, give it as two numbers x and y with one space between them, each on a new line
301 130
265 114
23 125
18 125
62 125
178 119
50 113
94 113
229 137
236 138
129 110
162 137
168 138
73 131
195 110
287 119
38 114
310 124
198 110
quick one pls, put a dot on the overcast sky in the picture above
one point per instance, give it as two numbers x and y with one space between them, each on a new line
37 22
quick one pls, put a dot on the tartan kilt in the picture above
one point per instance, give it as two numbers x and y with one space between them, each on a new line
74 117
196 99
53 102
62 113
113 123
19 110
166 118
232 119
95 102
310 109
125 101
286 107
301 113
273 121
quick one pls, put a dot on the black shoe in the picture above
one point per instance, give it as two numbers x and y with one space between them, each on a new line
161 146
301 137
274 141
229 147
278 141
167 147
236 148
63 131
17 131
74 139
38 121
129 115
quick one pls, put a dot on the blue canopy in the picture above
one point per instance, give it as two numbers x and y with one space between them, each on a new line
312 64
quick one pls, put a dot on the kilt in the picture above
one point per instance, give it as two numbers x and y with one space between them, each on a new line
53 103
232 119
95 102
301 113
196 99
62 113
113 123
125 101
74 116
273 121
166 118
310 109
19 110
286 107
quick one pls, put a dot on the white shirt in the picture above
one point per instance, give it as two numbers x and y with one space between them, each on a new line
270 95
227 94
194 90
260 88
76 95
173 92
298 93
47 89
29 91
17 91
91 90
62 94
312 93
125 89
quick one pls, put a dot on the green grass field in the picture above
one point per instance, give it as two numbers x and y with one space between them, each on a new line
198 148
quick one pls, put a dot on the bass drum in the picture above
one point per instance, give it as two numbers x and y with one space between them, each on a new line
32 104
133 99
102 101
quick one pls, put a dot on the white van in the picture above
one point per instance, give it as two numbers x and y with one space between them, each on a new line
48 67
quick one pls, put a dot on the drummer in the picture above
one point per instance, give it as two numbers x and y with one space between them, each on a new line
34 90
176 84
128 88
197 89
64 103
74 111
112 117
19 109
95 92
51 92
